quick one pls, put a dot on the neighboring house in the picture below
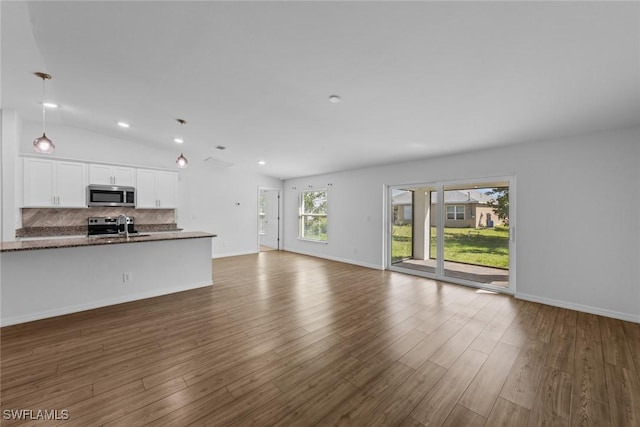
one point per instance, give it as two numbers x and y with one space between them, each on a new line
468 208
463 209
402 207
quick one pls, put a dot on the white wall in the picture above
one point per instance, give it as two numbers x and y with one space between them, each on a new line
583 256
10 218
207 195
75 143
223 201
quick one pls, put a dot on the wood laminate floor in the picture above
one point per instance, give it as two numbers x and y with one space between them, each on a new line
289 340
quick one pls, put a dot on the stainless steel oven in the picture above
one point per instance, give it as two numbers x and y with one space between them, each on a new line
110 226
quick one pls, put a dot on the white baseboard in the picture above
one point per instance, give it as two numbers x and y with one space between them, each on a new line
579 307
332 258
225 255
98 304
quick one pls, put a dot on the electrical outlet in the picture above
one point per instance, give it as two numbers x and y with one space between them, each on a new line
126 277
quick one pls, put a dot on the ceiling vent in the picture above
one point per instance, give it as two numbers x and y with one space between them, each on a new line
217 162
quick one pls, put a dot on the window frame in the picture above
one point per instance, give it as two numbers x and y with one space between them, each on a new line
456 210
302 215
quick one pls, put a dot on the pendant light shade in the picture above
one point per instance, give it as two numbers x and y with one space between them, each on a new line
181 161
43 144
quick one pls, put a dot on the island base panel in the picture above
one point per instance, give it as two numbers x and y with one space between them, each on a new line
38 284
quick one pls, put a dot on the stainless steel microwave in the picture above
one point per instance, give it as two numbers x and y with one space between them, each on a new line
108 195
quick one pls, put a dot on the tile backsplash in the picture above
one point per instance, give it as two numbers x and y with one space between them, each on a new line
51 217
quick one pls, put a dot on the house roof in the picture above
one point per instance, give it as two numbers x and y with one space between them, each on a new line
450 197
465 196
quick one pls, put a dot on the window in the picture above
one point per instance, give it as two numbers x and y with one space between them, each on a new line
408 213
455 212
313 215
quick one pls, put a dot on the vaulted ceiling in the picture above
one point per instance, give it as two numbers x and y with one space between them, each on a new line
416 79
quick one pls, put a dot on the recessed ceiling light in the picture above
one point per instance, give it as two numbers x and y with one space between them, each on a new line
335 99
221 147
123 124
178 140
50 105
262 162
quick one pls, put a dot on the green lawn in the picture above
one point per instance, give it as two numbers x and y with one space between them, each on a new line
401 242
486 247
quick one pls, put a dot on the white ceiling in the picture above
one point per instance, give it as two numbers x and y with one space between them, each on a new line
417 79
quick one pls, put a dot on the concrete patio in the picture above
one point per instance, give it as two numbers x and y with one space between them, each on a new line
475 273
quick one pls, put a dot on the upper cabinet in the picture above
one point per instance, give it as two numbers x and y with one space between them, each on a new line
156 189
167 188
63 184
112 175
52 183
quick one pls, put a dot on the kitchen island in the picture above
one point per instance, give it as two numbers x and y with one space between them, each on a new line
51 277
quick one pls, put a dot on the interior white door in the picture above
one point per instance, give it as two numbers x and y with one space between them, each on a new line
271 218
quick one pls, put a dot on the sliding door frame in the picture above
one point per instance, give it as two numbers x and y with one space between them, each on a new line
439 186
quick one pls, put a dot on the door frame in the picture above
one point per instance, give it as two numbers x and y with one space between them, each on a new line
279 207
440 220
391 217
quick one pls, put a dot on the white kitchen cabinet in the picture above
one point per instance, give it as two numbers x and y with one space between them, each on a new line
51 183
71 184
156 189
146 196
167 186
39 186
111 175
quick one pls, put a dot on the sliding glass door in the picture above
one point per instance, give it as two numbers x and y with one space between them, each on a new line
401 225
413 242
460 232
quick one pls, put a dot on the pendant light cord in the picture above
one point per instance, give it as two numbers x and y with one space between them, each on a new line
43 108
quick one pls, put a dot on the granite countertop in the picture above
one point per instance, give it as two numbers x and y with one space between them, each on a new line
97 241
82 229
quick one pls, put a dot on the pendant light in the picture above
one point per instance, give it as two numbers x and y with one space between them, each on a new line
181 161
43 144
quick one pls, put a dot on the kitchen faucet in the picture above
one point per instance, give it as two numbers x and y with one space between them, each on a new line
122 219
